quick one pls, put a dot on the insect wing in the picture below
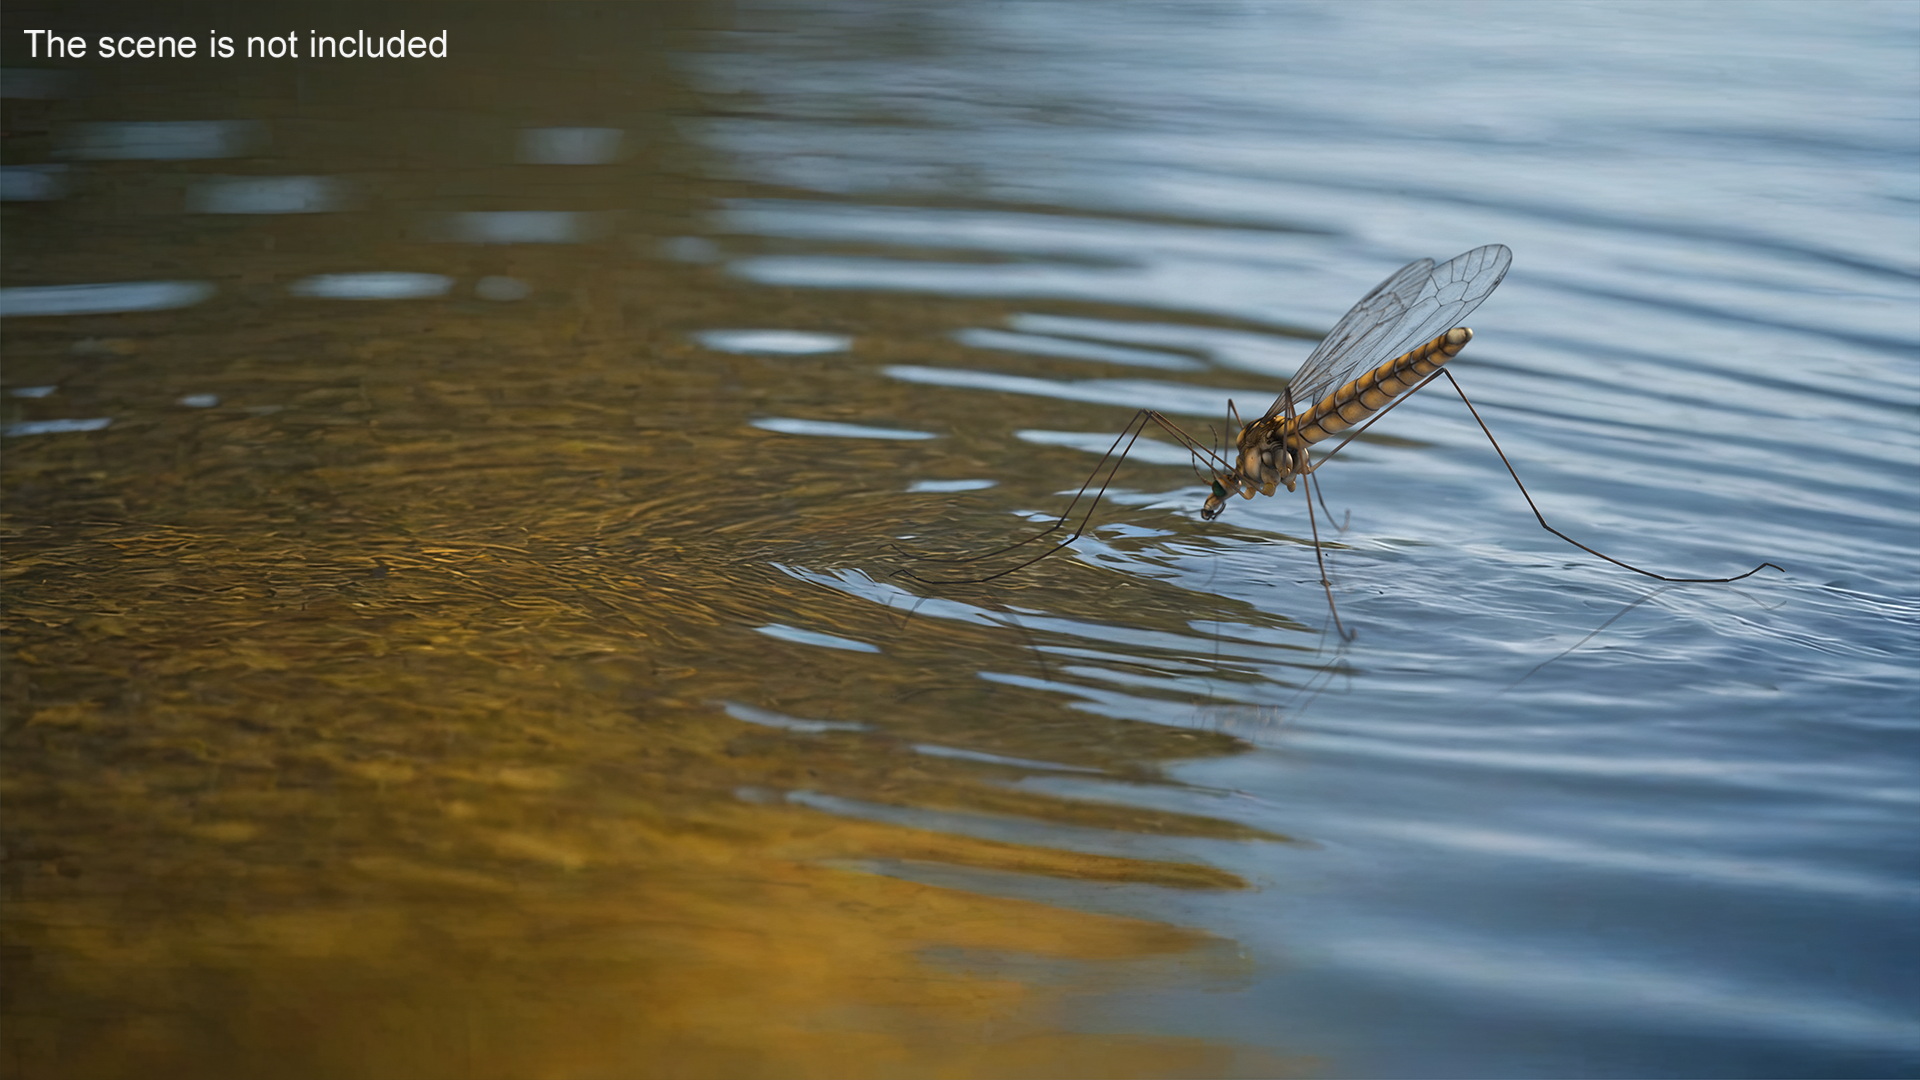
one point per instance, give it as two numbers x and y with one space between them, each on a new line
1417 303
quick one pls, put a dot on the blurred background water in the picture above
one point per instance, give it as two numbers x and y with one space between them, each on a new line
454 515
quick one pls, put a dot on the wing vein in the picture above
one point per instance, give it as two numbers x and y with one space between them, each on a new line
1418 302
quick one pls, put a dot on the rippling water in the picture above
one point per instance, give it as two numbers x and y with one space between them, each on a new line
456 516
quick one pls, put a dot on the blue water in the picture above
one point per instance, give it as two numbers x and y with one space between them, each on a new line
1560 819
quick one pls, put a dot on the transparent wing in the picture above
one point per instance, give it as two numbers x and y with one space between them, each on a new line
1419 302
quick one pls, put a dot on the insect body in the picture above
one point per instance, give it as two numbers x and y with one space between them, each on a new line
1420 303
1273 449
1391 343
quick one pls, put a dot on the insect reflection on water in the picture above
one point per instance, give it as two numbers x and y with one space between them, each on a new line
1388 346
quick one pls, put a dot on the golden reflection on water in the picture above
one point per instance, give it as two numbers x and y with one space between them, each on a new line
366 723
373 735
369 721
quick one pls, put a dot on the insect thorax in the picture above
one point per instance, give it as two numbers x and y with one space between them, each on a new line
1264 461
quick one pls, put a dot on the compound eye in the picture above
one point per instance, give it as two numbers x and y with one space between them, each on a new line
1216 502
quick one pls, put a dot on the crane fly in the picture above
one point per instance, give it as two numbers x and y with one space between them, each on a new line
1390 345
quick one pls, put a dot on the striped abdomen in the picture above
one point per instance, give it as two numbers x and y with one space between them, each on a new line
1368 394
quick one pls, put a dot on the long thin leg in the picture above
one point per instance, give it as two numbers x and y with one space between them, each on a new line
1024 563
1130 434
1320 556
1320 493
1134 428
1538 516
1541 518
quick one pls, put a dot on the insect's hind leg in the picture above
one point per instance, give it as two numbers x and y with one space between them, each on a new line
1542 519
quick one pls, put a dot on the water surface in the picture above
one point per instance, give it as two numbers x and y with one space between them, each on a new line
454 520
